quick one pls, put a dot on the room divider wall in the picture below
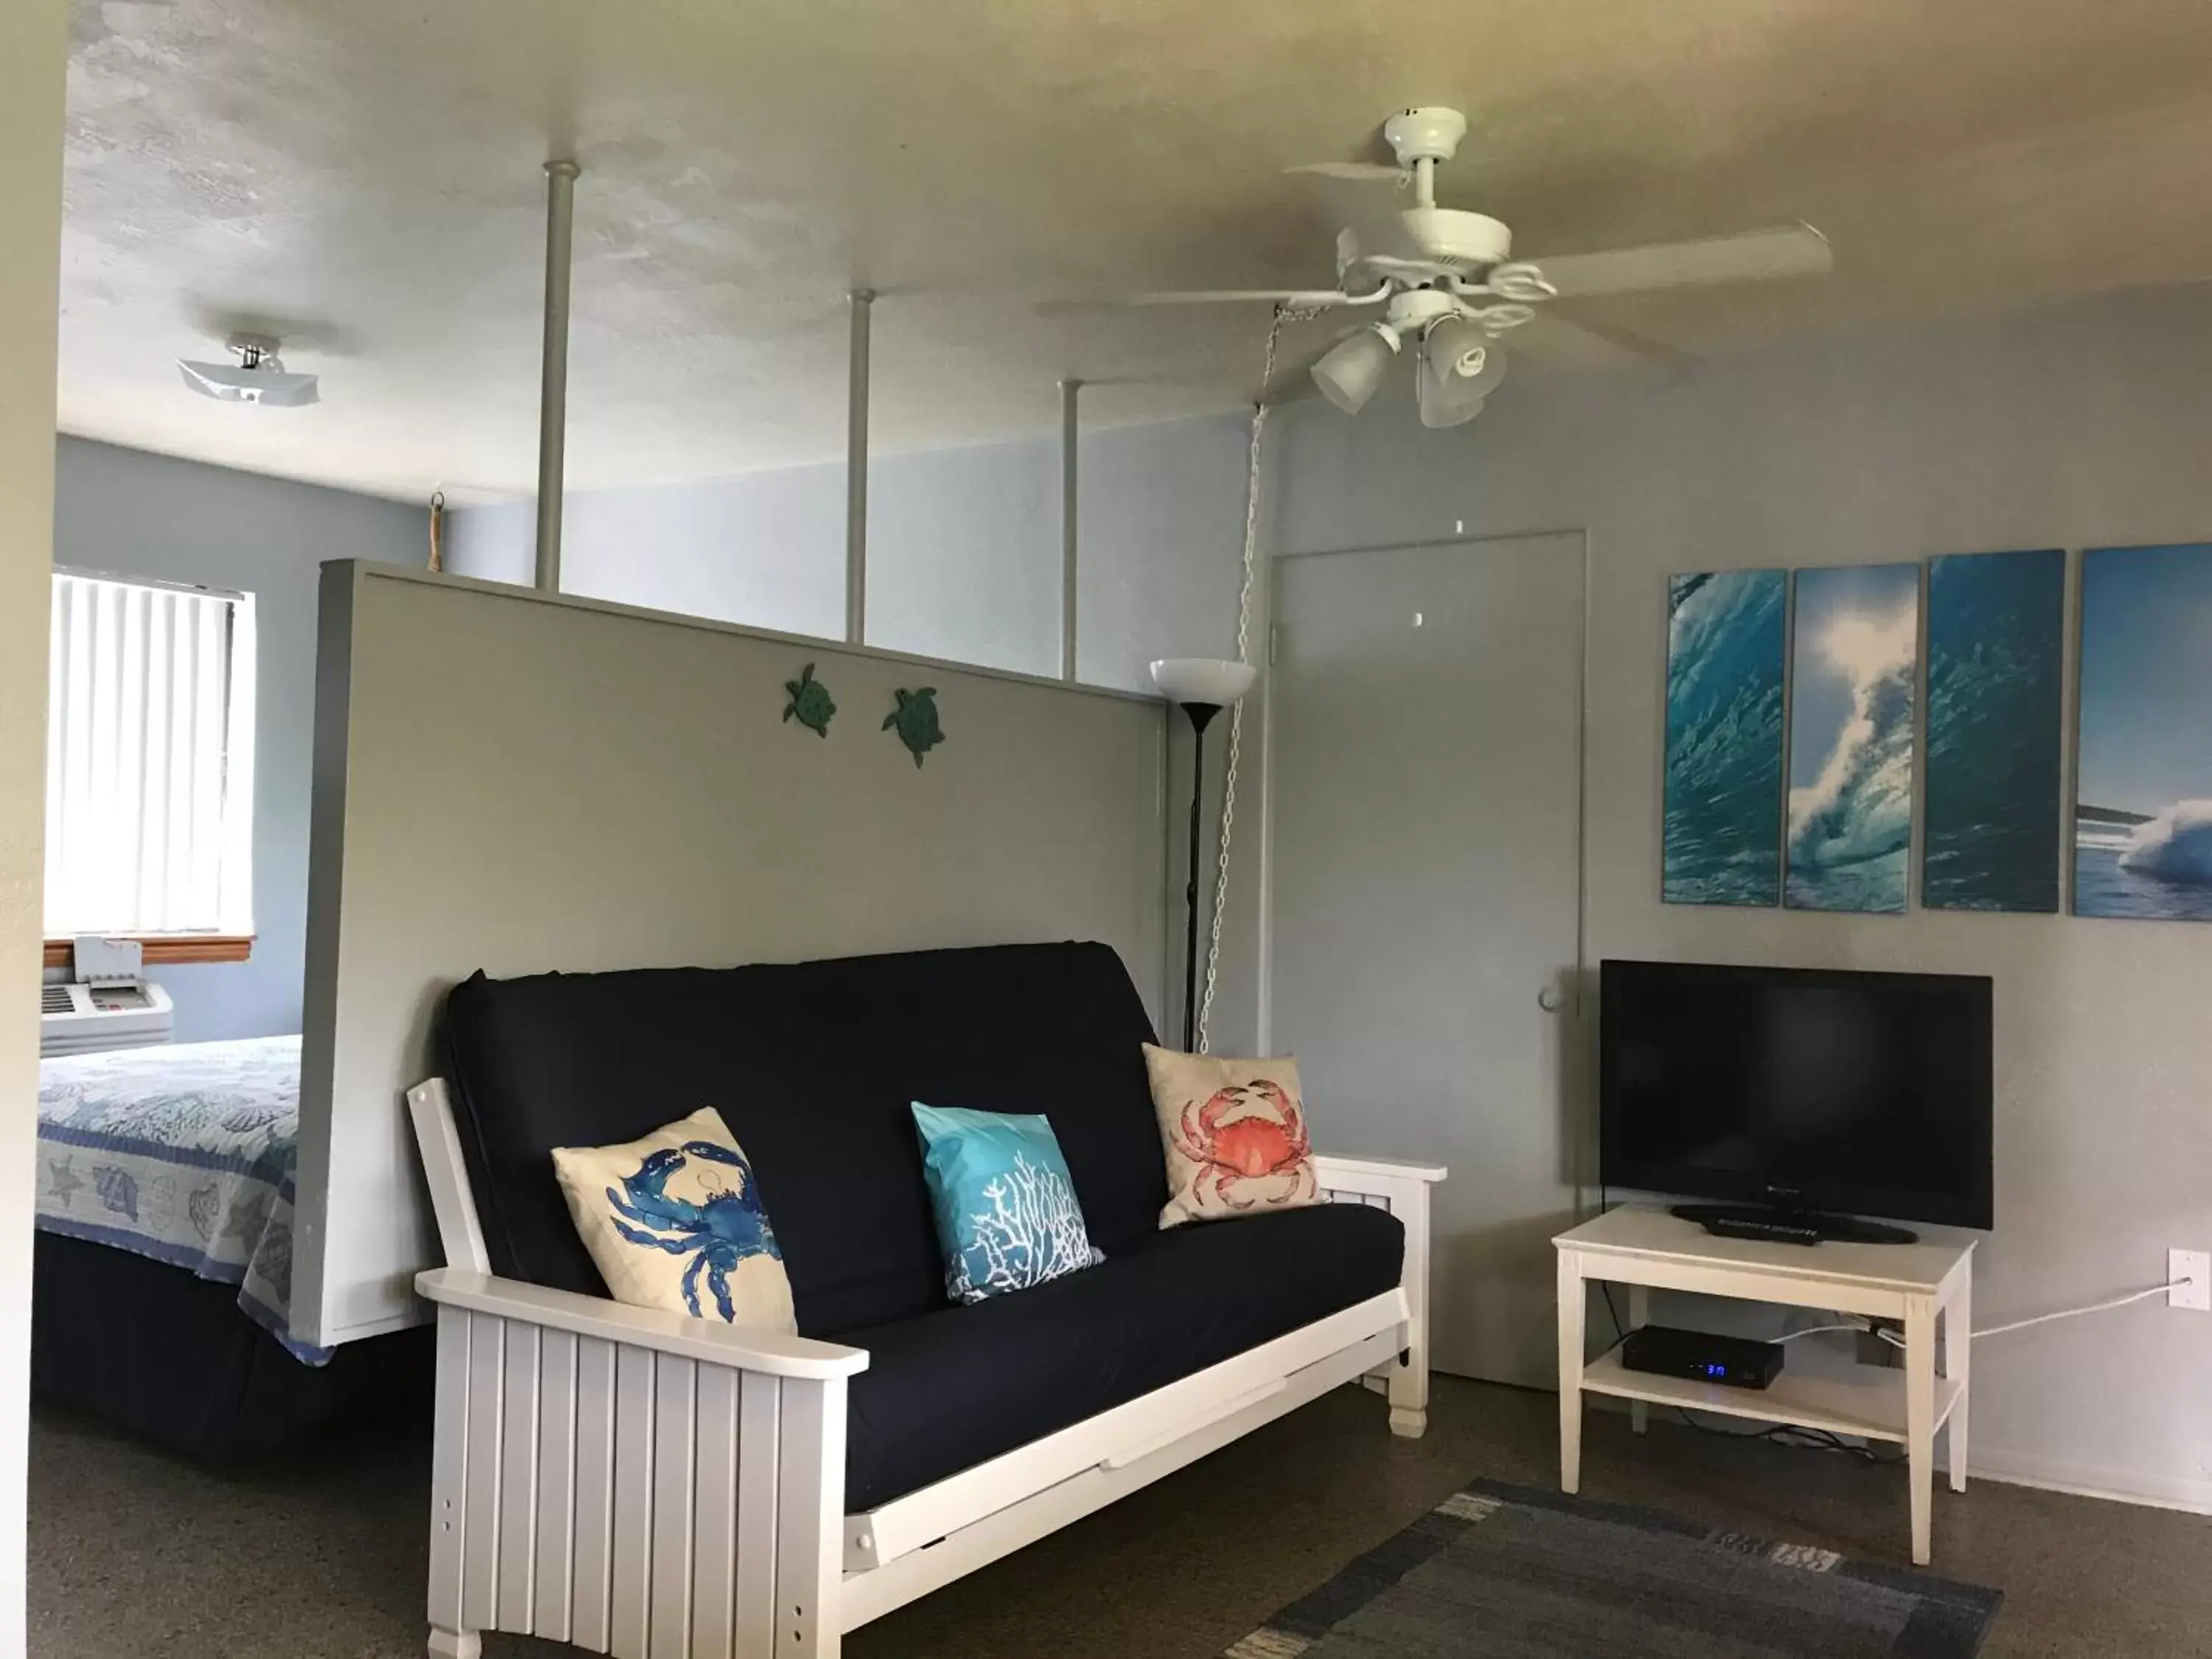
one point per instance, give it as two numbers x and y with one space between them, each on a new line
517 782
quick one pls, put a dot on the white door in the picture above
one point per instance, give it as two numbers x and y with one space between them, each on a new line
1424 786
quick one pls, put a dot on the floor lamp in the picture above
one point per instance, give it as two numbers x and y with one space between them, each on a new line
1202 687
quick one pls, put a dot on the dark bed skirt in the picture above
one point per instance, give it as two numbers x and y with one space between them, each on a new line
153 1350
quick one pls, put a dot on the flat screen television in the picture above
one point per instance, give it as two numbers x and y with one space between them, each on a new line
1805 1091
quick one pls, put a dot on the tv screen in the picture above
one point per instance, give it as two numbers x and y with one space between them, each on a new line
1859 1093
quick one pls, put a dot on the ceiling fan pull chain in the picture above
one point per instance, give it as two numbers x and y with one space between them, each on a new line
1283 314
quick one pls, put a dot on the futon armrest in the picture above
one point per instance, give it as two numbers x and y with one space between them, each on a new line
704 1340
1346 1173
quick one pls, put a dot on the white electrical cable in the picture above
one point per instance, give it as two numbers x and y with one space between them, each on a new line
2144 1295
1283 314
1897 1341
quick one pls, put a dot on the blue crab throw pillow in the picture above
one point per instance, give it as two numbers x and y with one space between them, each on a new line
674 1220
1006 1212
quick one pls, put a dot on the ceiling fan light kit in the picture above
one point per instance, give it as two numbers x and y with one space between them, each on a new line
1447 277
1349 372
1443 405
1456 348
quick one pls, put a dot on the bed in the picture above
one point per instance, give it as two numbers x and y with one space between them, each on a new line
163 1277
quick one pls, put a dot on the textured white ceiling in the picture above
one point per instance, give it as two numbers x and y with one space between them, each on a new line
362 177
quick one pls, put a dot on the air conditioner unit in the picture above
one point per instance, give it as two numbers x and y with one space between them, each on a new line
89 1019
106 1006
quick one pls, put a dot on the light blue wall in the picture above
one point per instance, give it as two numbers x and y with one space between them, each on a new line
964 549
133 513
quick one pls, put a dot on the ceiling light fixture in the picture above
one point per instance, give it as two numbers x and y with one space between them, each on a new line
1461 367
1460 351
1350 370
259 377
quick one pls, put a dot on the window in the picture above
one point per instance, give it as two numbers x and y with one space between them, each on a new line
149 761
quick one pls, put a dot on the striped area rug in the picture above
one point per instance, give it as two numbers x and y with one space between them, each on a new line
1502 1572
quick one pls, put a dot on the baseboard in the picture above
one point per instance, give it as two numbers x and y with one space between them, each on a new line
2088 1480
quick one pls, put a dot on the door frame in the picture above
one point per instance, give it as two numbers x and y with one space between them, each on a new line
1582 1150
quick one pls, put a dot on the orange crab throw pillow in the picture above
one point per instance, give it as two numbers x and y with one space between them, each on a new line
1235 1134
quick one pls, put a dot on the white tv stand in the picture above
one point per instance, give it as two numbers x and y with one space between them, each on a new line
1916 1283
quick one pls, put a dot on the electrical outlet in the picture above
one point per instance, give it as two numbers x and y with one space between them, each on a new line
2195 1267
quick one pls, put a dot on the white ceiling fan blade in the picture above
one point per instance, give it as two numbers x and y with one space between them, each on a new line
1302 299
1551 340
1351 170
1755 257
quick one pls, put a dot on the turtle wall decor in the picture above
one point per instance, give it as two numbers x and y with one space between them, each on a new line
915 720
809 702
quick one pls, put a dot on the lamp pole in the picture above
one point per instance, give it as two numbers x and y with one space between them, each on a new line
1201 687
1201 715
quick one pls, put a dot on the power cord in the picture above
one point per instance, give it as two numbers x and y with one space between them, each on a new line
1787 1434
2110 1303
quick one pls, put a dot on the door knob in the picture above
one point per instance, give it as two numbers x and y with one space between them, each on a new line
1548 999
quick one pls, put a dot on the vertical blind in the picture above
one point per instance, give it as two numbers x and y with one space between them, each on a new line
149 760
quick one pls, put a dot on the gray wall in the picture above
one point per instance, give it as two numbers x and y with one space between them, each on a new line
963 558
125 511
624 792
2080 425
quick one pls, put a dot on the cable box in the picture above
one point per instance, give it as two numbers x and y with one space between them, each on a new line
1736 1362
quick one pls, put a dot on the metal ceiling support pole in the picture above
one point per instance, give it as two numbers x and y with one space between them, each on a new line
856 472
1068 434
553 385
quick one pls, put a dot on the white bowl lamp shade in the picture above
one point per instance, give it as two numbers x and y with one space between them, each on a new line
1203 679
1440 409
1462 357
1457 397
1349 371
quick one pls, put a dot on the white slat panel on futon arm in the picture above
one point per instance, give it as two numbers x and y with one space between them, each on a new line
449 1470
556 1483
518 1483
760 1411
630 1598
480 1524
589 1609
676 1400
715 1515
810 1533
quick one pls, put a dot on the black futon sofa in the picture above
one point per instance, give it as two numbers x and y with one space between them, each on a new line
813 1067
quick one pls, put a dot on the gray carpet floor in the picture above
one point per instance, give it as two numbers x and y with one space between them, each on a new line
134 1552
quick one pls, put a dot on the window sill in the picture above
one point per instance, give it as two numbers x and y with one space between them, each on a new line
166 949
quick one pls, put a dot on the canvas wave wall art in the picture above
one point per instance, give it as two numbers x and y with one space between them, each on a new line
2143 817
1722 833
1996 715
1854 660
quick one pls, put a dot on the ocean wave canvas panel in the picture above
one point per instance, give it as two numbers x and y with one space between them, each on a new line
1723 837
2143 817
1996 720
1854 660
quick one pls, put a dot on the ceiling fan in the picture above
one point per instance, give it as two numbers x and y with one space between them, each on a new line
1449 287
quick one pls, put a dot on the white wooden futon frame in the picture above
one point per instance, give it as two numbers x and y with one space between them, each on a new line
654 1487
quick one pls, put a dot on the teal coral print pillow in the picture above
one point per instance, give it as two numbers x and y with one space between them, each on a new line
674 1220
1006 1212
